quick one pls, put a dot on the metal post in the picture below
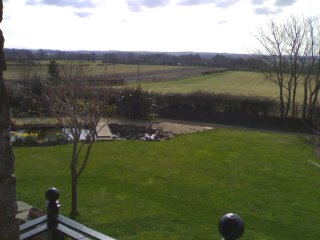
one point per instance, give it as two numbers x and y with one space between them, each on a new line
231 226
53 206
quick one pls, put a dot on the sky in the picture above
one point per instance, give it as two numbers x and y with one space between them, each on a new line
223 26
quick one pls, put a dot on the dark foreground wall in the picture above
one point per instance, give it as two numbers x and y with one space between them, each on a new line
237 119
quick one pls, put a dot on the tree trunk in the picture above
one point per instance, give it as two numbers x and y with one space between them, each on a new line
74 194
288 104
313 103
305 100
294 94
9 226
281 101
74 182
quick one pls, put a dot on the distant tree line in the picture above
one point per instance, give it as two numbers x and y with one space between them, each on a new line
41 54
230 61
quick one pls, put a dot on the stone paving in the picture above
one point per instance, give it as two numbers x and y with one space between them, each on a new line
103 130
23 211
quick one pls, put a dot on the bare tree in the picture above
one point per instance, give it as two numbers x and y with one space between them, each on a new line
78 105
25 71
311 81
272 49
9 228
291 50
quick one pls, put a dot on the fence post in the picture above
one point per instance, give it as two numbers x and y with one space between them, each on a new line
231 226
53 205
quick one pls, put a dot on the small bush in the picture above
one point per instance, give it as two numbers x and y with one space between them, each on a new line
135 103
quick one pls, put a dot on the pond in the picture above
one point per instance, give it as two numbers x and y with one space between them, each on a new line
50 135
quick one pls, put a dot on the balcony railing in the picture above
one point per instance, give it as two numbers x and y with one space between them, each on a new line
56 226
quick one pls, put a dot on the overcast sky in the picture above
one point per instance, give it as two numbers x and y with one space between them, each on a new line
143 25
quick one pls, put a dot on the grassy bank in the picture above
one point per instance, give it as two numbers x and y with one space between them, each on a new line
179 189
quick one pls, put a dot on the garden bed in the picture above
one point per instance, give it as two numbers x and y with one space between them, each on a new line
54 135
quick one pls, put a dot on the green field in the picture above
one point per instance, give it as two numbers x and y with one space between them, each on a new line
231 82
96 68
173 79
178 189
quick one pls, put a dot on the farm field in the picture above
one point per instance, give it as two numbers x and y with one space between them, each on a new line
178 189
97 68
230 82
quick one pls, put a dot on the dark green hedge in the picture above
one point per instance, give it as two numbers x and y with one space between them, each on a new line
252 105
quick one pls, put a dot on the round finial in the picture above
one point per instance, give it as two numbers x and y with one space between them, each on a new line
52 194
231 226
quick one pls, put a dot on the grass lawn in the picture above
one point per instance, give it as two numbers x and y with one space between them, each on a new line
231 82
178 189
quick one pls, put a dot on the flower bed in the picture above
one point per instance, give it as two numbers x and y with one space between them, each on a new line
38 136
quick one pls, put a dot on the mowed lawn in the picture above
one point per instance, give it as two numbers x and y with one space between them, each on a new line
178 189
230 82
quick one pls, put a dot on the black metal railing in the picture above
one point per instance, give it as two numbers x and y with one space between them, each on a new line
56 226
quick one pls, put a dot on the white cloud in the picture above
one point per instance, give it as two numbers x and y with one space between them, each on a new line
64 3
284 3
137 5
222 22
258 2
218 3
83 14
267 11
